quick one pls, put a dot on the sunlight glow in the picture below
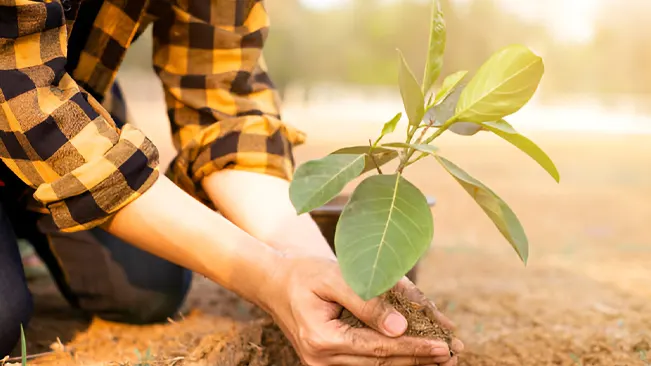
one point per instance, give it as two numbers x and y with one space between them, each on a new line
568 20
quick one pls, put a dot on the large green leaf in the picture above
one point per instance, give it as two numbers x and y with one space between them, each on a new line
384 229
412 95
502 85
437 39
318 181
429 149
504 130
380 156
497 210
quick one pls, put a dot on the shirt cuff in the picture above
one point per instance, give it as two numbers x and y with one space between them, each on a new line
89 195
261 144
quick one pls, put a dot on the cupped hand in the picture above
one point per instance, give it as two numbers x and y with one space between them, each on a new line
305 297
411 292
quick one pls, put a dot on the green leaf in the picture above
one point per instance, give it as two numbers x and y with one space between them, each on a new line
384 229
412 95
497 210
444 110
380 155
449 84
504 130
502 85
318 181
23 346
391 125
437 39
428 149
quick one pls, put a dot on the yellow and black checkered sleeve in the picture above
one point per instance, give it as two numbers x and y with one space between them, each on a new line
53 135
221 102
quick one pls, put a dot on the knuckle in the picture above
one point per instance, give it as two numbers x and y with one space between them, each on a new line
380 307
381 351
316 343
375 310
421 349
351 337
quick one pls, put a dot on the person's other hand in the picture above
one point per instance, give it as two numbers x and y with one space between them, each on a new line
305 297
411 292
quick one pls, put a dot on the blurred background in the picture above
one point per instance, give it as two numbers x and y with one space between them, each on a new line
583 297
336 60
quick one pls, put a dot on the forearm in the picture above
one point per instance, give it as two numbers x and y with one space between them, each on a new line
169 223
260 205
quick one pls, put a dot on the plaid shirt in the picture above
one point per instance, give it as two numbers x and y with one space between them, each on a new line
59 58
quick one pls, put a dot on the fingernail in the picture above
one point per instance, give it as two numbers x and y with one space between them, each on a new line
395 324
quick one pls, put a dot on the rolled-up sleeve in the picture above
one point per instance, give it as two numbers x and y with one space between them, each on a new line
53 135
221 102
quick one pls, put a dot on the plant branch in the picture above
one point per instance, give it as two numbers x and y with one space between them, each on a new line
411 130
422 155
370 152
441 129
424 131
410 151
436 134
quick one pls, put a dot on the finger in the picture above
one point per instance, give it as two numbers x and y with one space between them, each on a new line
391 361
375 313
454 361
456 346
365 342
414 294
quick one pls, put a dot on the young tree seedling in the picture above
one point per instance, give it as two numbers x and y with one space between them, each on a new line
387 226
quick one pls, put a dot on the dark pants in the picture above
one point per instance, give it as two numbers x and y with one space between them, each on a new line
96 272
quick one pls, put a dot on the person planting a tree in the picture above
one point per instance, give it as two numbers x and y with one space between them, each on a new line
119 237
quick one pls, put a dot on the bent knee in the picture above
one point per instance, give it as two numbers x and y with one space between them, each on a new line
15 310
155 308
145 307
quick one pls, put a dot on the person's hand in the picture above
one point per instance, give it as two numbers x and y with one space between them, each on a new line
305 297
411 292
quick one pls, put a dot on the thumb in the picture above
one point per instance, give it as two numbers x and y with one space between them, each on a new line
375 313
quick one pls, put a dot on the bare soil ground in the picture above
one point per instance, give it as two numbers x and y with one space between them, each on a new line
583 298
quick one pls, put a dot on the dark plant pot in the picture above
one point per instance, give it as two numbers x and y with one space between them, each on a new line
328 215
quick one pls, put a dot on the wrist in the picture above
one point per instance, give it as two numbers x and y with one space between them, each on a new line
251 269
174 226
299 236
259 204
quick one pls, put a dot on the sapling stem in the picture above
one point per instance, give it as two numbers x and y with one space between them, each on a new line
424 131
411 130
410 151
422 155
436 134
441 129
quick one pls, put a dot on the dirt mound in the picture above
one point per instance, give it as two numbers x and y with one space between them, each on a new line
420 323
259 343
199 339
